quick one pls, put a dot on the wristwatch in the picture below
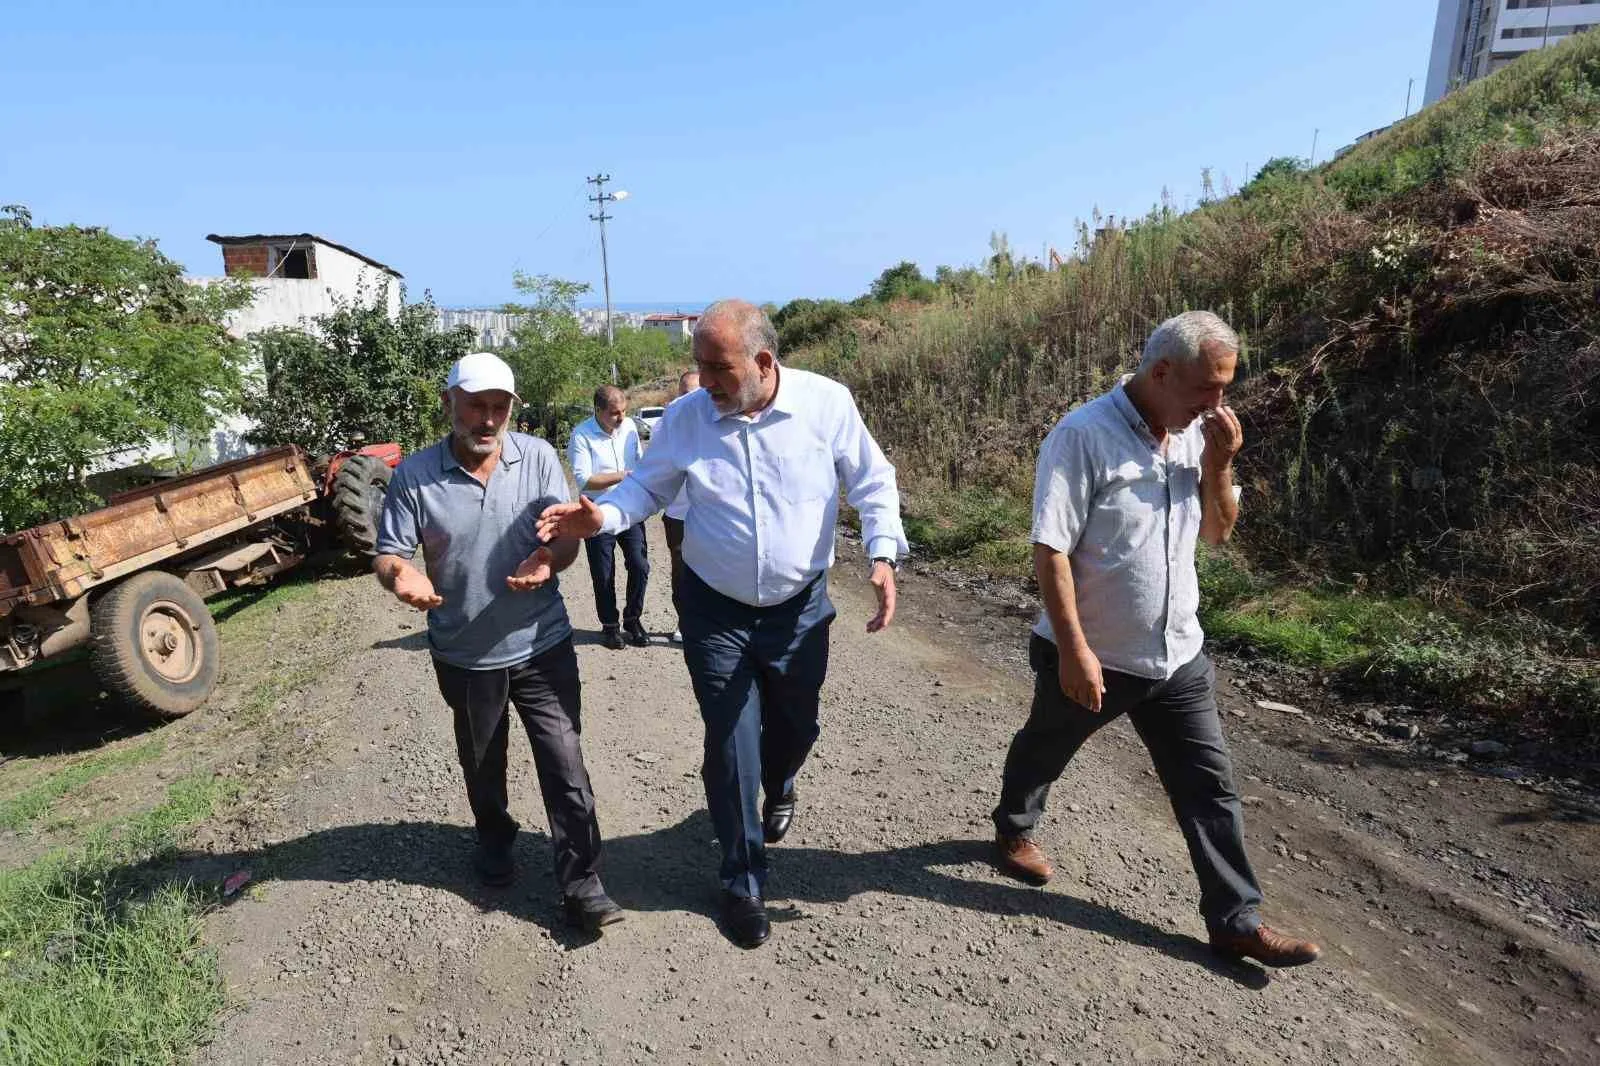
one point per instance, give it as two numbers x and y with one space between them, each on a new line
894 564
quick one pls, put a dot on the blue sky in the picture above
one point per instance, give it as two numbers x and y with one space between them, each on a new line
772 150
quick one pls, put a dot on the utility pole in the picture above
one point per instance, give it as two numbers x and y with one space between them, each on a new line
601 198
1545 43
1314 134
1409 83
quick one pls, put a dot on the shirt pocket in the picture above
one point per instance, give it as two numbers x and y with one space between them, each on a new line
1126 515
806 474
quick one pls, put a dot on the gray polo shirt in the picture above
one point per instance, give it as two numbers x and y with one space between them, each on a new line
1126 511
473 537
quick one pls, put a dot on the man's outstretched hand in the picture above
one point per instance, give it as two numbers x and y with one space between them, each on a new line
883 584
579 520
412 587
535 570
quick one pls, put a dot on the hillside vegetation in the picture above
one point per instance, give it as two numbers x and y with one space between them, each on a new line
1417 387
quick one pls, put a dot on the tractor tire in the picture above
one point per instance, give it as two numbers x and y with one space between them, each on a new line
154 646
357 502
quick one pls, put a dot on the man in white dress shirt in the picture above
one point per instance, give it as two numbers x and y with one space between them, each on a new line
762 451
602 450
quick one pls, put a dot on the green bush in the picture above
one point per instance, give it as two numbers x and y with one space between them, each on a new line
356 373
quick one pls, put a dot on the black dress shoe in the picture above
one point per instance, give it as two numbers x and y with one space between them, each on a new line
635 633
494 865
592 913
776 816
611 637
746 920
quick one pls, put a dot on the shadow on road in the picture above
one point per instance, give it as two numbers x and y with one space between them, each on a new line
671 869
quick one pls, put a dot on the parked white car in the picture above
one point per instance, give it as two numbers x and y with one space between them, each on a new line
647 417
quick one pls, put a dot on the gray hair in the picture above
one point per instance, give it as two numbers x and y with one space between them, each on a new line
753 324
1179 339
686 375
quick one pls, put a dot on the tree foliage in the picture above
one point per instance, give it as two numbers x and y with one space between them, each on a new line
559 366
804 322
356 373
104 349
903 281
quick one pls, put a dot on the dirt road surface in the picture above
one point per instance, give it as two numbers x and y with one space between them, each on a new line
1457 908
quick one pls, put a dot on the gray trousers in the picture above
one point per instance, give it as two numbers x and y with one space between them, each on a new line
1177 720
545 692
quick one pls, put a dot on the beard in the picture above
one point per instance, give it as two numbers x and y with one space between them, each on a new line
470 439
748 396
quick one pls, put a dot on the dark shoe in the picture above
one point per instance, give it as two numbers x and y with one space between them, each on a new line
611 637
1267 946
494 865
635 633
776 816
1023 859
592 913
746 920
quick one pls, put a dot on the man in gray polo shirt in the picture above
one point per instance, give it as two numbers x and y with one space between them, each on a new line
497 626
1125 486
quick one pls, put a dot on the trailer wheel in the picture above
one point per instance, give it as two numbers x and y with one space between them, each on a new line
153 644
357 498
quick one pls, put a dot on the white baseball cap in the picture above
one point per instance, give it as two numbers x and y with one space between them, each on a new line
481 372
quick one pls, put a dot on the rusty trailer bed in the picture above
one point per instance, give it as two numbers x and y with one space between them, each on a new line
63 559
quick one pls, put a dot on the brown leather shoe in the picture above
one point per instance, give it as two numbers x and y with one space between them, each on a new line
1265 945
1023 859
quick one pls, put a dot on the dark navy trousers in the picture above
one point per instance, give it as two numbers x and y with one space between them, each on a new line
757 674
601 549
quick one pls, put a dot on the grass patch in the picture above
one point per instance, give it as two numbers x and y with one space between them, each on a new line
1328 629
243 606
985 530
97 967
1510 668
28 806
267 694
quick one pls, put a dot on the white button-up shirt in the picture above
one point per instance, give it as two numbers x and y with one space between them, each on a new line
764 489
1127 514
679 507
591 450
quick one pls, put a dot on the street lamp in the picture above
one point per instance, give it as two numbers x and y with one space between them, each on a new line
601 198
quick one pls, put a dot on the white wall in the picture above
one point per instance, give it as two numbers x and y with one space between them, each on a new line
292 303
348 277
1446 43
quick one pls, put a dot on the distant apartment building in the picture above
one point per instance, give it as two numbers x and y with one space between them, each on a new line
1474 38
678 328
493 329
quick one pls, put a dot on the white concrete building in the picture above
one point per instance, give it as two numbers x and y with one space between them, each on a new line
296 277
678 328
1474 38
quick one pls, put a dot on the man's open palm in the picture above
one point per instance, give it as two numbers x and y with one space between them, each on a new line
534 571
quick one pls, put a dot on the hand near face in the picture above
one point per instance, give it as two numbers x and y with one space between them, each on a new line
1224 436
